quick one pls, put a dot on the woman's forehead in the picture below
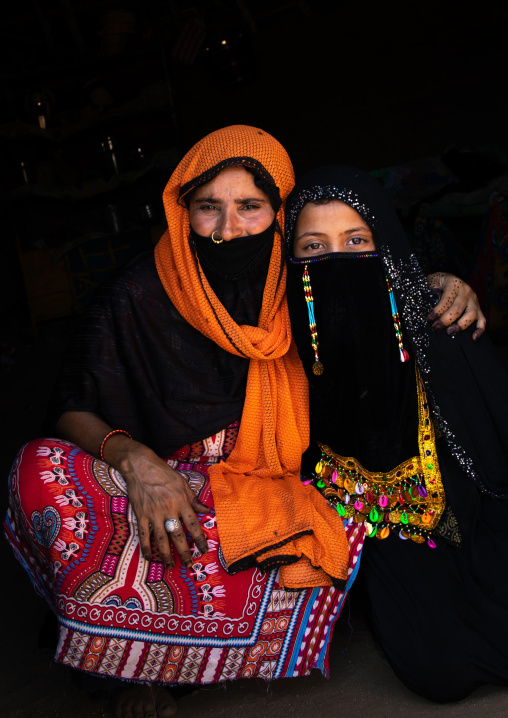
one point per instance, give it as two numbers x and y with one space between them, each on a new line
329 209
235 181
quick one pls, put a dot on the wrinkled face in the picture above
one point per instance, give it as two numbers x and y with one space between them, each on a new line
230 205
331 227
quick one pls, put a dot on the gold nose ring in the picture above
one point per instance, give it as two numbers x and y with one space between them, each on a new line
216 241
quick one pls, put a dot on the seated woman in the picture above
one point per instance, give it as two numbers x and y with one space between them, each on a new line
182 408
409 438
187 352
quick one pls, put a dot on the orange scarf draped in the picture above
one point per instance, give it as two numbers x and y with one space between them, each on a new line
265 515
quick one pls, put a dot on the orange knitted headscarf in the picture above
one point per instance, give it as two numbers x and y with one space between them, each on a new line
265 515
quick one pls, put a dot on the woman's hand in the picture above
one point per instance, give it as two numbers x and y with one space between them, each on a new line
156 491
458 306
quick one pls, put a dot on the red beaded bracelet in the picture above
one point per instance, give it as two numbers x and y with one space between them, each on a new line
115 431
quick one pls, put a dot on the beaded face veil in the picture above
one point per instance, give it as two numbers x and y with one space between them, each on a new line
351 199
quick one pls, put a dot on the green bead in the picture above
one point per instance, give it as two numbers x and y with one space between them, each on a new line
341 510
403 518
431 466
320 483
373 516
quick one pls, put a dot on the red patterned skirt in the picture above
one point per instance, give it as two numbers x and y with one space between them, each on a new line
71 526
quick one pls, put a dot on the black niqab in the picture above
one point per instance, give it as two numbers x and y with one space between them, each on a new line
364 403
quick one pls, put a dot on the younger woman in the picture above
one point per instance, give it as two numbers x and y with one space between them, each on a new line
413 451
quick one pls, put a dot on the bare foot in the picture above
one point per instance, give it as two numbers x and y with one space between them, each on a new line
137 701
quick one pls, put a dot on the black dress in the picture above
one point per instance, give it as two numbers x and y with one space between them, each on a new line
441 614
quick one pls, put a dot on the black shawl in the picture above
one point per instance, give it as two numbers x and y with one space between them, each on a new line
136 363
465 382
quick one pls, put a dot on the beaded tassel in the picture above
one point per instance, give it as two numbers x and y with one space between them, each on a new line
404 356
317 367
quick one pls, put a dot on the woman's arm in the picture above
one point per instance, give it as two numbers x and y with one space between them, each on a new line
458 306
156 491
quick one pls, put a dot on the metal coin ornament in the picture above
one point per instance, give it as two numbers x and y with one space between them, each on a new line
317 368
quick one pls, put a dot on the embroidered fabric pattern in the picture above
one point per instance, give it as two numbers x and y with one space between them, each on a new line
333 255
448 528
410 497
73 529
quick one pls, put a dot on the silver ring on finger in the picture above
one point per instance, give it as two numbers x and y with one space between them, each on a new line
172 525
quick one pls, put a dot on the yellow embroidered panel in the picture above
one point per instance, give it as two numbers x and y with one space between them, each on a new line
410 498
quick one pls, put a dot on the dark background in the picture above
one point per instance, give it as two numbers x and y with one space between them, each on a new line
414 92
364 83
99 99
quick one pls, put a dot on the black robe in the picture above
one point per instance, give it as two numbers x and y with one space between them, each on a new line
441 614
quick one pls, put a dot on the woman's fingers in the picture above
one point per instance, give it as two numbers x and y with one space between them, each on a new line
470 315
162 542
144 537
180 543
190 522
198 506
458 306
481 325
157 493
452 302
194 527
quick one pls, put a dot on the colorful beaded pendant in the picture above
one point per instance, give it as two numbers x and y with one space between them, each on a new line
404 356
317 367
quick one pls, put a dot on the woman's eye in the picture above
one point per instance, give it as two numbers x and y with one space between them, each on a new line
357 240
313 247
207 207
249 207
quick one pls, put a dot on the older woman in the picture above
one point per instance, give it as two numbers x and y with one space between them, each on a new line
183 406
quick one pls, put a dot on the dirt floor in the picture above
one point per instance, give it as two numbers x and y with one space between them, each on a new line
32 686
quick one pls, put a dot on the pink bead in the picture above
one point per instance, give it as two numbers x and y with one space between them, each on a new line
383 501
334 477
358 505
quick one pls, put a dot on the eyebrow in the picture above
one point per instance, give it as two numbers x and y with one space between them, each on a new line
310 234
243 200
358 229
